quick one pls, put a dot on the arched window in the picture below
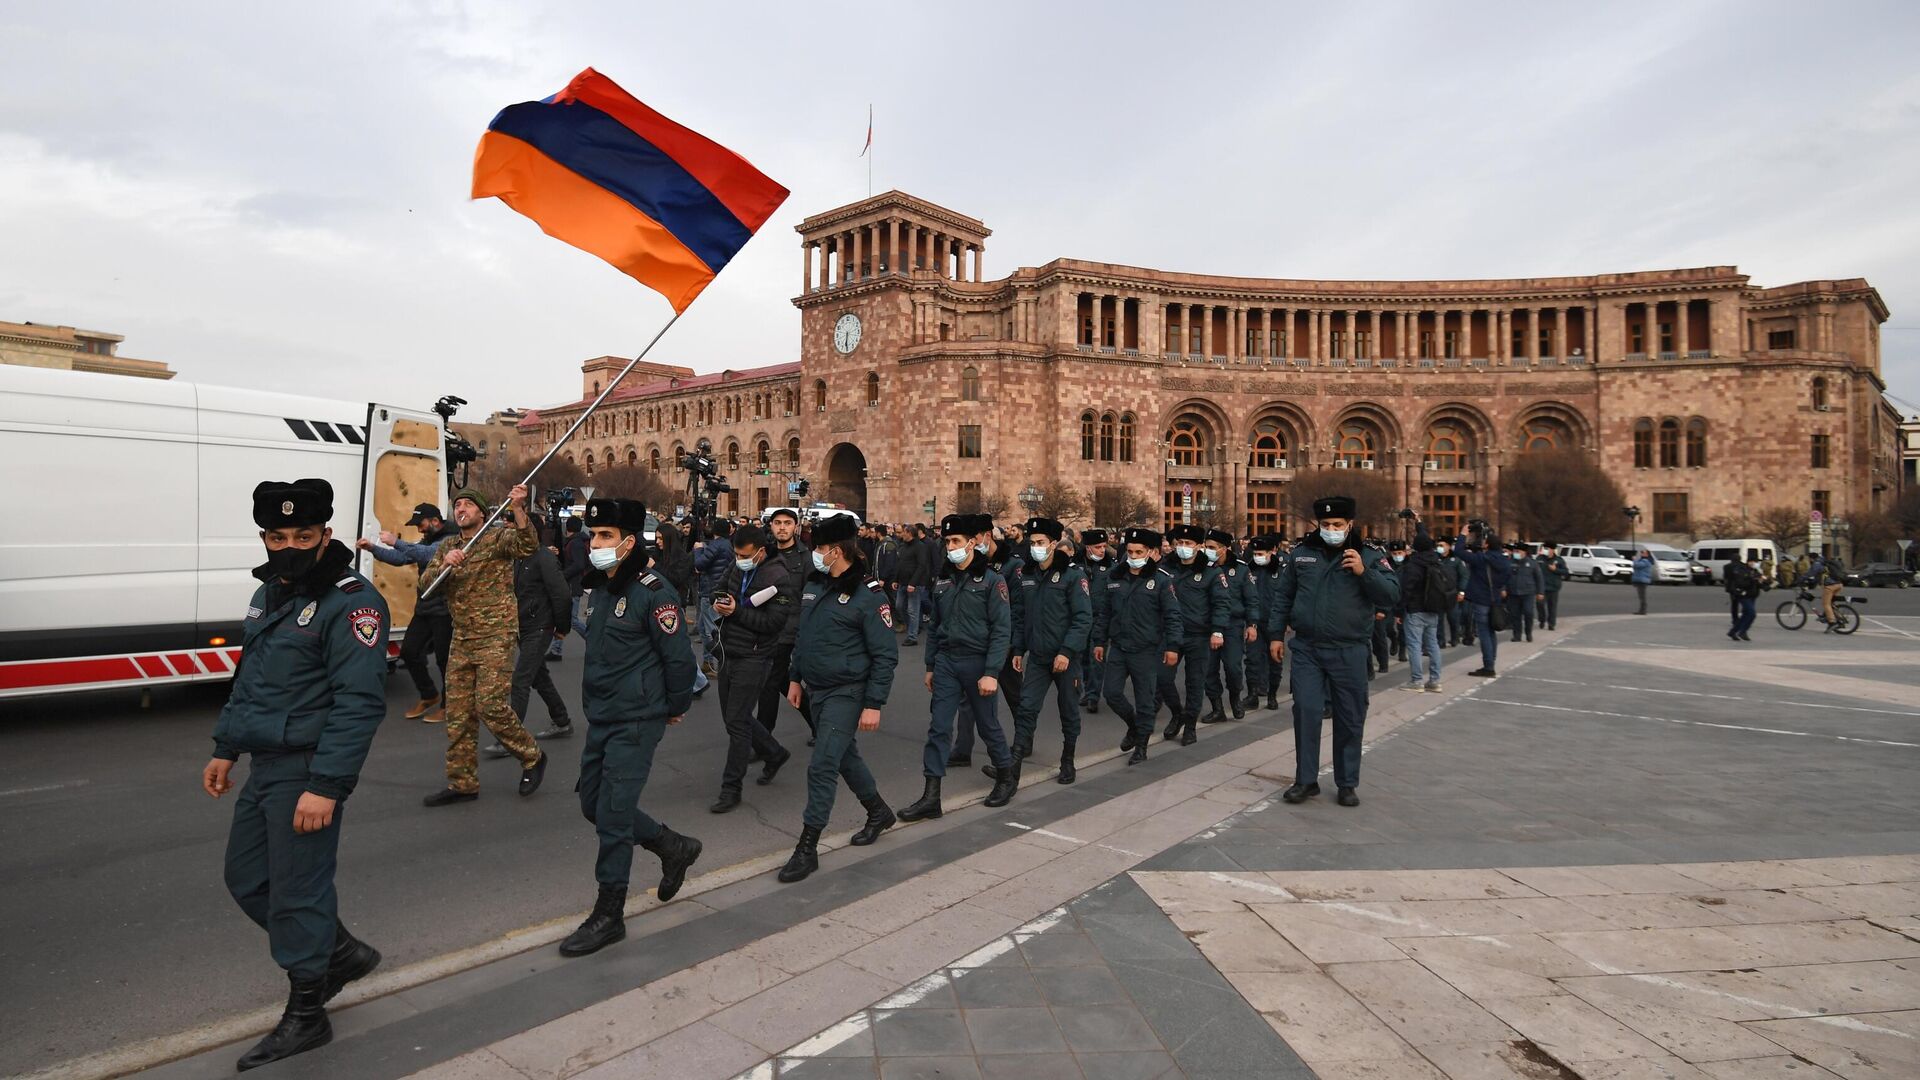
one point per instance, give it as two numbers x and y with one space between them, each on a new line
1696 443
733 454
1086 435
1447 445
1107 424
653 459
1669 443
633 457
1545 433
1126 437
793 452
1269 445
873 389
1359 442
1643 443
1185 441
793 402
764 455
589 465
1820 393
820 394
970 384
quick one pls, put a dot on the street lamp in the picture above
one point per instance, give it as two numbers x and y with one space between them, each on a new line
1633 517
1030 498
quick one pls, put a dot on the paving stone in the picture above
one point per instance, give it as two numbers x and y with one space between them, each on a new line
1030 1067
1091 1028
1120 896
920 1033
1079 986
1418 1005
1686 1035
1201 1019
1133 1065
910 901
863 1068
1400 885
808 945
802 1006
1380 1069
1060 948
918 949
1514 1060
1649 911
1653 1068
1768 906
1179 892
1319 1019
1868 1044
475 1065
934 991
929 1068
1869 901
716 1052
1241 941
979 988
1780 1067
1515 965
1137 937
1570 1029
1760 874
1322 943
1029 1030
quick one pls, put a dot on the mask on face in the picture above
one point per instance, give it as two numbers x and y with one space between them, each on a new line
744 565
1442 552
1212 555
292 563
604 559
1399 558
819 562
958 556
1039 553
1136 563
983 547
1334 537
1183 552
1262 560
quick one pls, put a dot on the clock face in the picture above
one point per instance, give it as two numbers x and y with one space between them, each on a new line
846 333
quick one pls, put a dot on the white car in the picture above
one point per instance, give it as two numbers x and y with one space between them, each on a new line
1596 562
1671 566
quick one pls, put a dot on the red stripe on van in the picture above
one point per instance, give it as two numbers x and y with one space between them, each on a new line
63 672
152 667
183 663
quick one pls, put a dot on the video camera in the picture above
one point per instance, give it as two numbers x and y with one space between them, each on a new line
704 482
559 499
460 453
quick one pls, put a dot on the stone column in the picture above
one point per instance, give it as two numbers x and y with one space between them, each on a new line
1681 338
859 252
1589 325
1284 349
893 245
979 262
806 268
1560 332
1714 348
1266 332
1206 332
1652 334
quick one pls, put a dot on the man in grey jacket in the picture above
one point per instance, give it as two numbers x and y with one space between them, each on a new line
1523 591
546 614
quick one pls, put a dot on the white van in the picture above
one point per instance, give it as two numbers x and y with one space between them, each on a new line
1715 554
147 582
1595 562
1671 566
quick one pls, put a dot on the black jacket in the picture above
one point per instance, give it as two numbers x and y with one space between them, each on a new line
573 561
545 600
798 561
675 563
755 630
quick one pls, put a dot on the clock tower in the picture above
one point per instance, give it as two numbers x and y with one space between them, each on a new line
881 278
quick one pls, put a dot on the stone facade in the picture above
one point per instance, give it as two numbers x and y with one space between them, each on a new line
1699 392
68 349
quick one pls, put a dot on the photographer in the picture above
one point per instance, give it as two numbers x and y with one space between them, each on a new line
430 631
1488 575
711 564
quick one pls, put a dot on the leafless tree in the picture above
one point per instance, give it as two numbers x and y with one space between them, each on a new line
1062 502
1376 498
1559 494
1723 527
1870 536
1784 525
635 482
973 501
1116 507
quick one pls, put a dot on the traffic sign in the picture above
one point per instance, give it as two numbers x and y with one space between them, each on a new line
1816 517
1186 491
927 507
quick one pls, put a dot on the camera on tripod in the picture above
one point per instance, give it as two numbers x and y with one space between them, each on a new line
460 453
559 499
704 482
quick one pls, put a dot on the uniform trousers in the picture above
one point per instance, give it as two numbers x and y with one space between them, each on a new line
480 690
775 692
1263 671
1520 615
1012 684
956 694
1230 657
1195 657
1094 679
1549 617
283 880
427 635
1379 643
742 680
1141 669
836 719
531 676
1040 677
1323 674
614 765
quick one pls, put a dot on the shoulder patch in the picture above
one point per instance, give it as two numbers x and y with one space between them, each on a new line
886 615
668 618
348 584
366 625
650 579
1001 585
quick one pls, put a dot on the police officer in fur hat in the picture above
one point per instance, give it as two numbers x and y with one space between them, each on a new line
309 692
1329 588
1136 632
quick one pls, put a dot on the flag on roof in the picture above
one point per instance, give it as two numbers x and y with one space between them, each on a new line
595 167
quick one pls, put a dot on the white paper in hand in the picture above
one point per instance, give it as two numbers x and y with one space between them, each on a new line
763 596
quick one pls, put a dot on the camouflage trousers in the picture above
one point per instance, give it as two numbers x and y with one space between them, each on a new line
479 691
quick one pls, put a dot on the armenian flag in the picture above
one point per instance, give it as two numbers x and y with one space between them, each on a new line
595 167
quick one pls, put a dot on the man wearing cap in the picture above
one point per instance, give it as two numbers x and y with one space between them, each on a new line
1523 590
307 696
968 638
430 629
486 627
1056 608
844 656
1004 559
1329 588
638 680
1243 626
1203 614
1553 574
1096 559
1263 672
1137 633
795 559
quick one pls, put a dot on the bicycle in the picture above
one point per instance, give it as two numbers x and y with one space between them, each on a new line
1792 614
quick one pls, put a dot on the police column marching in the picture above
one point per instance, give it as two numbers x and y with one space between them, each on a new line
1056 620
1329 587
1097 560
1203 615
1263 672
1136 632
637 681
307 696
843 659
1243 627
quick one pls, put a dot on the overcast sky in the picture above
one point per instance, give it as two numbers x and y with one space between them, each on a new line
255 193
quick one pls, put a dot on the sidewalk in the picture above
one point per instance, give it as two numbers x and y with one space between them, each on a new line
1516 896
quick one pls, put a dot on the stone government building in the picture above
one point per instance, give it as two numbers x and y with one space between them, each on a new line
917 379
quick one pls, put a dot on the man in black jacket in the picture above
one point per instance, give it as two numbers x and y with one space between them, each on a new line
1425 611
573 567
787 548
912 573
545 609
753 605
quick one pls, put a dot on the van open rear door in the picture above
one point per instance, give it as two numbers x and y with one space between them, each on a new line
405 465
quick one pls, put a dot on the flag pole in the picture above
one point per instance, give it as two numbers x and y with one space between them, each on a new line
555 448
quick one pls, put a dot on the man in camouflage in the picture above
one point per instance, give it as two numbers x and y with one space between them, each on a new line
486 628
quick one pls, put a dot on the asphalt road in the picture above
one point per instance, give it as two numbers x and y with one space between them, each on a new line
120 928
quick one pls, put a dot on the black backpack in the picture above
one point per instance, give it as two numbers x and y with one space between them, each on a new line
1436 589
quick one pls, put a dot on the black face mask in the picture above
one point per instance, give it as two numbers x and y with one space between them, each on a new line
292 563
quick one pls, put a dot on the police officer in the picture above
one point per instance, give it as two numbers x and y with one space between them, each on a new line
1203 614
843 659
308 694
1136 633
968 638
1004 559
1330 585
1056 621
638 680
795 559
1243 626
1263 672
1096 558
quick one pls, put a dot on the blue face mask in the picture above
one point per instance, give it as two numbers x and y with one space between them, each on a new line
1183 552
744 565
819 562
1039 553
1334 537
956 556
1136 563
1212 555
983 547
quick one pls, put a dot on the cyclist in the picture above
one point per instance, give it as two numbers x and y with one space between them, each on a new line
1829 575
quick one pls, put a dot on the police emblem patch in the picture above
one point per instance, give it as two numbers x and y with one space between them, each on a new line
1056 577
1003 589
286 508
668 616
366 625
886 615
620 608
1085 588
844 597
254 613
1151 584
306 613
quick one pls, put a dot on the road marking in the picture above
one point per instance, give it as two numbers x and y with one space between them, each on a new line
44 787
1895 629
1846 1023
1720 697
1049 834
1701 723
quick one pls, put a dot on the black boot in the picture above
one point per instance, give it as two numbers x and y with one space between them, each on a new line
301 1028
606 924
1239 708
806 856
352 959
1273 700
927 805
1139 754
1022 749
1005 782
728 800
1216 715
1173 727
959 761
879 819
1068 774
1127 742
677 853
1187 735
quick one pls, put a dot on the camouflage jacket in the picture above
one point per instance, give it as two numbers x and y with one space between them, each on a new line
480 590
